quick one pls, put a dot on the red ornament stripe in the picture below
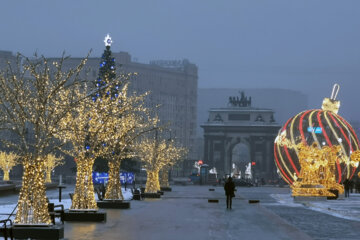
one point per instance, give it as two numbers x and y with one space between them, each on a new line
329 143
291 161
301 126
323 129
287 151
287 122
281 169
337 124
350 128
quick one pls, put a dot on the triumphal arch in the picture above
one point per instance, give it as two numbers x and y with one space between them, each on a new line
239 136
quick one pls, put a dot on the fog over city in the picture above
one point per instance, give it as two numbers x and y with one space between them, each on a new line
301 45
189 119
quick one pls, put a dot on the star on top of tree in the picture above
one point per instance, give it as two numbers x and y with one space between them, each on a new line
108 40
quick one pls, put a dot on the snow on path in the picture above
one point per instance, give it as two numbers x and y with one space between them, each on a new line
6 209
348 208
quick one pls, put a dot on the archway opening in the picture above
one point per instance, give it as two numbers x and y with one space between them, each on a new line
241 162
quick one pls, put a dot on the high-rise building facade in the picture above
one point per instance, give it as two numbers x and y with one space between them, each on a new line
5 57
172 86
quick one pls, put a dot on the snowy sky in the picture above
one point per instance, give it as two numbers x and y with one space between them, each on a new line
305 44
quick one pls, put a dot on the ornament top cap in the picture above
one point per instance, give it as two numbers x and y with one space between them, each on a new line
331 104
108 40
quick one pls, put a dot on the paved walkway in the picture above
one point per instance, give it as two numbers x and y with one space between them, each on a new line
185 214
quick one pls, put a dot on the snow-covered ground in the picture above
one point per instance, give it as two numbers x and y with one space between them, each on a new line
348 208
6 209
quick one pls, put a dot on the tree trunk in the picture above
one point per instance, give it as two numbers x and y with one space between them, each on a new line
152 182
113 189
48 177
164 177
84 196
32 204
6 175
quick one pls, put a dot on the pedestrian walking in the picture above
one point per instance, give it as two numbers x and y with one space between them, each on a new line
229 188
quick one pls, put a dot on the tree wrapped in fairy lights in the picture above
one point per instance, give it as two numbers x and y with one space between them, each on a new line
7 162
130 118
133 123
51 162
155 153
31 107
87 128
107 70
174 154
94 128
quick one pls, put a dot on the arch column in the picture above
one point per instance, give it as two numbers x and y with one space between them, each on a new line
228 157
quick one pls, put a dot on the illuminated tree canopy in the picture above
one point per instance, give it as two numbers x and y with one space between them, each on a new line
7 162
51 162
175 154
31 108
155 153
129 119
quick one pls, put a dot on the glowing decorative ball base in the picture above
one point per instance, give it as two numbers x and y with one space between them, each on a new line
316 150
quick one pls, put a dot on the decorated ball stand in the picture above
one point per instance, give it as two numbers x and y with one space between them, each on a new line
316 150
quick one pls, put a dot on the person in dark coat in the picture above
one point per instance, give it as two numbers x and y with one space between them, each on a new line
229 192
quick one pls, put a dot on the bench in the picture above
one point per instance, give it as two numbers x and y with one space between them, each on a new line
56 213
5 230
137 194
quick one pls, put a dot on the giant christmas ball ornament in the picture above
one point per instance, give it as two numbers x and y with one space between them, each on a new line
320 128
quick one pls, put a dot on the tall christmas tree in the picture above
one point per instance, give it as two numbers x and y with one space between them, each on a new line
107 74
107 71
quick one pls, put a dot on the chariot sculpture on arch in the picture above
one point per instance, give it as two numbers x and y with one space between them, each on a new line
243 101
